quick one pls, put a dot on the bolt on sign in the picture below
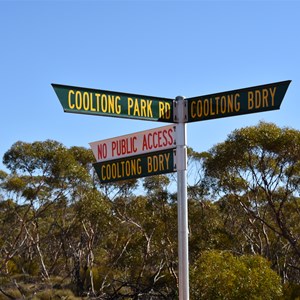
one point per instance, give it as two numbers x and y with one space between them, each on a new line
114 104
138 143
237 102
137 166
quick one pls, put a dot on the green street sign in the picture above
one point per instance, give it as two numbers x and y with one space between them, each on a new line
114 104
237 102
153 163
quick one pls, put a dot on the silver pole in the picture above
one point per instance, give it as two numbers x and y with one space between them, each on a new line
181 164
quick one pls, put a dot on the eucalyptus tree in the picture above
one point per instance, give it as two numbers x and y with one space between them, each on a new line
45 177
141 255
60 220
255 175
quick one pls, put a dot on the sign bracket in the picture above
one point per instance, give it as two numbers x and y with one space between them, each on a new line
180 110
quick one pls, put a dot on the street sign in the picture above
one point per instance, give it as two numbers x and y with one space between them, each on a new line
136 166
152 152
138 143
114 104
237 102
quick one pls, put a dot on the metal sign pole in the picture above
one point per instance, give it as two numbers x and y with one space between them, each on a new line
181 158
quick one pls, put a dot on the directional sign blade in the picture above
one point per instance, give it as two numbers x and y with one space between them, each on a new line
137 143
237 102
114 104
136 166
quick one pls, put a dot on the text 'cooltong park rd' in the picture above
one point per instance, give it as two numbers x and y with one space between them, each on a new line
225 104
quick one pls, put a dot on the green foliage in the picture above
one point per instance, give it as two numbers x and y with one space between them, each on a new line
57 219
255 177
15 184
264 149
221 275
41 167
206 228
2 175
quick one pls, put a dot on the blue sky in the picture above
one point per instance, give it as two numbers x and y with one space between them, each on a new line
158 48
